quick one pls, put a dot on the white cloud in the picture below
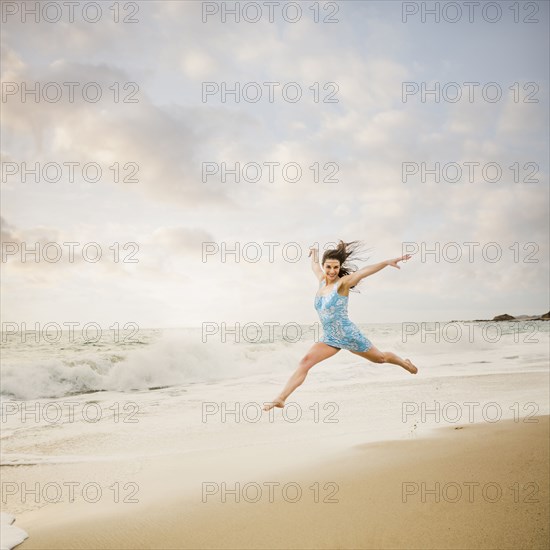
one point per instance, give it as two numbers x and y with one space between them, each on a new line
369 133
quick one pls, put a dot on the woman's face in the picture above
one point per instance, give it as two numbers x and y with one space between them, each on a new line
332 268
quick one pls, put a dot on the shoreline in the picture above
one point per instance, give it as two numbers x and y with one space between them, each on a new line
386 495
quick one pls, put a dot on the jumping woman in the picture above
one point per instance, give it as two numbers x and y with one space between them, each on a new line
331 303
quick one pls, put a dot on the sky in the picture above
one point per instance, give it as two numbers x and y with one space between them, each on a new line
362 160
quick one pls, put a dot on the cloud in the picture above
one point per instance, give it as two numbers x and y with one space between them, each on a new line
171 132
162 255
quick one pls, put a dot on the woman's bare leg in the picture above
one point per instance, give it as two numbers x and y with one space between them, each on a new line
377 356
317 353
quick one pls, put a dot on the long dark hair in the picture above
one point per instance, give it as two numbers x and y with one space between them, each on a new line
344 252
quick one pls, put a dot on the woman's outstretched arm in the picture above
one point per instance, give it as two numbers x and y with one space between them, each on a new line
314 253
353 278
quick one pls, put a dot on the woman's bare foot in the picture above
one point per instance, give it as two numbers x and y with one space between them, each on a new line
410 367
276 403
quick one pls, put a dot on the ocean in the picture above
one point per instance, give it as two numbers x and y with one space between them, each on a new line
57 364
64 399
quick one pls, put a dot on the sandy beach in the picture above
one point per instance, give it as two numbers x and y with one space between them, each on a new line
362 456
482 485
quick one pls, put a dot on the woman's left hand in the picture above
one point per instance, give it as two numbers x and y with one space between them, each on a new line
393 262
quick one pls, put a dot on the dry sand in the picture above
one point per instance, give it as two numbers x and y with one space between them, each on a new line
465 469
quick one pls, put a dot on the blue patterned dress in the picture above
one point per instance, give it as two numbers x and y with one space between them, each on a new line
338 330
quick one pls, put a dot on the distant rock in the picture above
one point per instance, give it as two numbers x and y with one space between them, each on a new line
503 317
506 317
